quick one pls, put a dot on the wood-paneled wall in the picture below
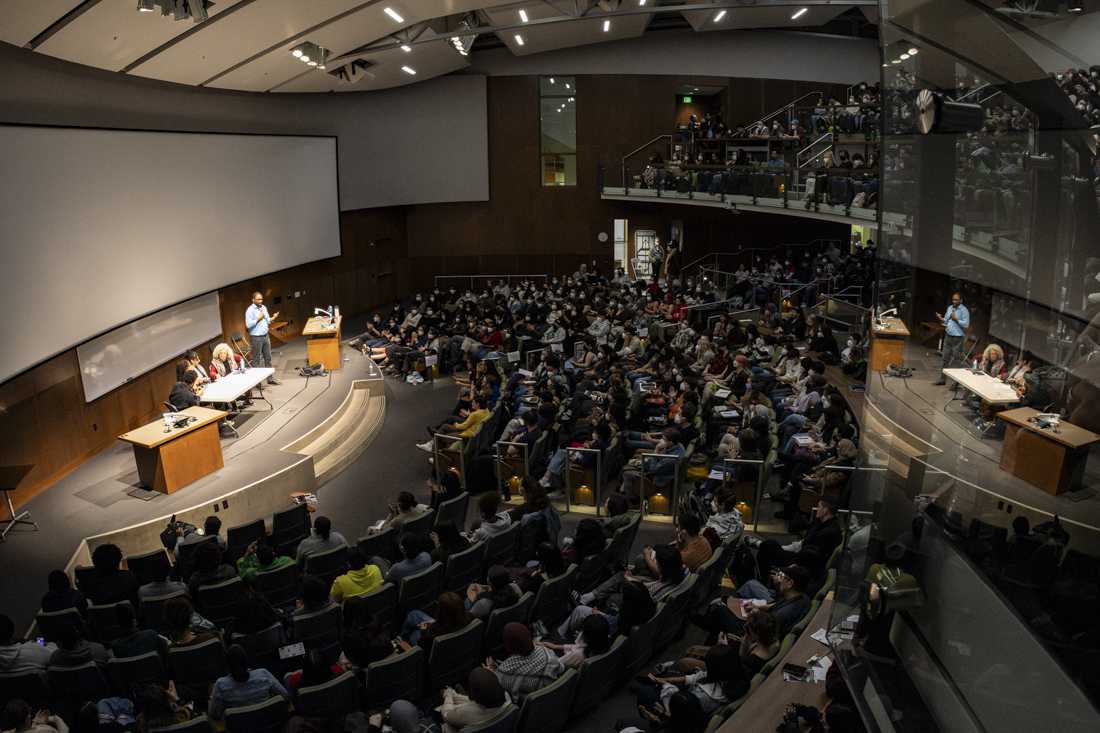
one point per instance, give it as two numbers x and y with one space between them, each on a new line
524 228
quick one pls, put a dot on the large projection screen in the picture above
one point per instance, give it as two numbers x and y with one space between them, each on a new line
126 353
100 227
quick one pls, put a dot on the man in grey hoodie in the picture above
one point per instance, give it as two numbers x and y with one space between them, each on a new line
17 657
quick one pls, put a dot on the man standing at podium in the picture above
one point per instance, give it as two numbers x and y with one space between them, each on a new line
955 323
258 322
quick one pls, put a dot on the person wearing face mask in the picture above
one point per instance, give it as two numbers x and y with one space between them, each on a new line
660 469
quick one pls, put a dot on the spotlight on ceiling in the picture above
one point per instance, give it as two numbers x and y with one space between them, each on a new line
552 80
396 16
406 48
519 39
799 13
1075 7
196 10
606 26
523 15
464 43
719 15
913 51
310 54
409 70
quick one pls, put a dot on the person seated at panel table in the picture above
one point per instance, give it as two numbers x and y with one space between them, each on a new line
185 392
993 361
194 363
224 362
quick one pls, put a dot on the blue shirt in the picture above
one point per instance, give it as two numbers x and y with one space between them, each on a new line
256 320
229 693
958 327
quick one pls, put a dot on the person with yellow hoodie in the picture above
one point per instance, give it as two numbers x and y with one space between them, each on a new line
360 579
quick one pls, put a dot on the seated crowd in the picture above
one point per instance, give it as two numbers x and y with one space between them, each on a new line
634 381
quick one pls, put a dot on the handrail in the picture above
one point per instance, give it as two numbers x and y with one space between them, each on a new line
973 91
787 107
815 142
635 151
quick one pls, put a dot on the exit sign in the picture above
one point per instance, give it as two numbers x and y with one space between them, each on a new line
686 99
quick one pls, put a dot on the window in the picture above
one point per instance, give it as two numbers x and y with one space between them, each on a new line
558 130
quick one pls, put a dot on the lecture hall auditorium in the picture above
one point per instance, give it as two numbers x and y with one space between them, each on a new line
550 366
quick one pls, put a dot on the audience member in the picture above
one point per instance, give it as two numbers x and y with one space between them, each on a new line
416 558
360 579
18 657
61 594
323 539
242 686
526 667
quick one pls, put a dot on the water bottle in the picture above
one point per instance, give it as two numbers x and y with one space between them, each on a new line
975 366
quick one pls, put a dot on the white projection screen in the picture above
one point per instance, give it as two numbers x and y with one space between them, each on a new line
101 227
129 351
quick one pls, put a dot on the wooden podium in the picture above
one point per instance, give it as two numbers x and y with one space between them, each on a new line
323 342
1054 462
887 344
169 461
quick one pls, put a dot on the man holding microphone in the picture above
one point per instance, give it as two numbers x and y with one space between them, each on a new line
955 323
258 322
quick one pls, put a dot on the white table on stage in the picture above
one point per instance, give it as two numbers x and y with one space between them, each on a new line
231 387
990 390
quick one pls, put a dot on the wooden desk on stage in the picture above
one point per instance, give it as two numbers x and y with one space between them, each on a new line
1054 462
169 461
887 344
763 710
323 342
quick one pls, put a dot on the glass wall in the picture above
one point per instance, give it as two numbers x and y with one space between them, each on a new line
558 130
982 493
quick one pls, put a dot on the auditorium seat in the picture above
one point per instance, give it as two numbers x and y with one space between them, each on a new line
503 722
328 564
380 605
103 622
554 599
547 710
501 548
320 630
30 687
290 525
221 602
50 623
200 724
422 525
379 544
598 676
397 677
123 672
263 647
330 700
464 568
639 646
520 612
419 590
151 610
149 567
453 655
238 538
453 510
263 717
197 664
280 586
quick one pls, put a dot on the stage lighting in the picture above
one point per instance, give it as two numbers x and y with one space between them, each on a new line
310 54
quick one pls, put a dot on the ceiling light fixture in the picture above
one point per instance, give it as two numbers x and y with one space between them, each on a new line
641 3
519 39
409 70
799 13
1075 7
393 14
572 99
719 15
196 10
567 85
606 26
913 51
310 54
523 15
904 56
552 80
406 48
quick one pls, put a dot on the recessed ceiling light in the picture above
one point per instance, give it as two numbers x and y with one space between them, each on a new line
523 15
552 80
567 85
904 56
719 15
519 39
393 14
641 3
305 58
312 63
406 48
606 26
409 70
321 66
885 65
572 99
896 61
296 53
799 13
913 51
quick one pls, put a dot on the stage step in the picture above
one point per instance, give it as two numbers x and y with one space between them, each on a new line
343 436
